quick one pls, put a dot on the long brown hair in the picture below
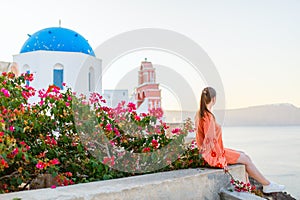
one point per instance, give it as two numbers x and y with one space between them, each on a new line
207 95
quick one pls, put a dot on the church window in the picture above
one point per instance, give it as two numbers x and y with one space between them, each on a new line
91 79
58 75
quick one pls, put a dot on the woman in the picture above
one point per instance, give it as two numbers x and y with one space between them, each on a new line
209 141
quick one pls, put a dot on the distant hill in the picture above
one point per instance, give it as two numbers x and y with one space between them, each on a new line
264 115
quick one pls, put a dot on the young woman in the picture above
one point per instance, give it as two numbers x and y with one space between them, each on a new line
210 143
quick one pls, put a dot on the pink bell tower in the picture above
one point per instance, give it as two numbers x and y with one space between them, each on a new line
147 87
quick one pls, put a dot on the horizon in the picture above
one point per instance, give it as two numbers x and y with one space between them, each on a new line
263 105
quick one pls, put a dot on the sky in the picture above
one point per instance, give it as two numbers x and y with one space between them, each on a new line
254 44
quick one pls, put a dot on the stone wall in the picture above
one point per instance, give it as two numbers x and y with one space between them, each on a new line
201 183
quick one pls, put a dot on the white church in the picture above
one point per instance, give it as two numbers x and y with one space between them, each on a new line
59 55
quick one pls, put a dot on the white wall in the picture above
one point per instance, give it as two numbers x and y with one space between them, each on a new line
76 68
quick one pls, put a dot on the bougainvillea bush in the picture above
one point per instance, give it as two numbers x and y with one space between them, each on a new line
75 139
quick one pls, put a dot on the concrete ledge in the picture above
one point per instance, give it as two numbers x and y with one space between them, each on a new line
201 183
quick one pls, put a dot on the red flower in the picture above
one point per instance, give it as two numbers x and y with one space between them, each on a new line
3 163
219 165
154 143
146 149
213 154
51 141
53 88
28 77
69 174
137 118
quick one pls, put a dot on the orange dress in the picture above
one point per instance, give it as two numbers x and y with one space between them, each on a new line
210 143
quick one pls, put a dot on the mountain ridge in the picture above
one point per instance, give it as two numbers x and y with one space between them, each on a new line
280 114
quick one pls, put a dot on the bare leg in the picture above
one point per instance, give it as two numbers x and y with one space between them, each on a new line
251 169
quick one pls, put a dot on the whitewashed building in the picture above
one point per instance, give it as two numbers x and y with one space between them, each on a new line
59 55
113 97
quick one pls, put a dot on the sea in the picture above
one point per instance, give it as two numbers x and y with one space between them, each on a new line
275 150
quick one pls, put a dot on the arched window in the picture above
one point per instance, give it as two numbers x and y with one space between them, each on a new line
91 79
58 75
26 69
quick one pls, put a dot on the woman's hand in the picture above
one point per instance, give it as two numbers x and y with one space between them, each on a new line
226 169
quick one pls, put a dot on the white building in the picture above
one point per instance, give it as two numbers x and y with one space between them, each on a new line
58 55
113 97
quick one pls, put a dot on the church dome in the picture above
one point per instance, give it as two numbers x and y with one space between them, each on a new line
57 39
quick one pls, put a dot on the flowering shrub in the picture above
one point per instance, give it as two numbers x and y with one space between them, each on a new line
240 186
75 139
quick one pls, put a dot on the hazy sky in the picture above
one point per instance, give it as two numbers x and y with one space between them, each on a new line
254 44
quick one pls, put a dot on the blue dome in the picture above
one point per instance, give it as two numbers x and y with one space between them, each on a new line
57 39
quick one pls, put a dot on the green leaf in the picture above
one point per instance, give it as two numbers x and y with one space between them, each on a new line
19 181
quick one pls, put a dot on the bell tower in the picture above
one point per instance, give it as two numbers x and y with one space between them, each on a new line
147 87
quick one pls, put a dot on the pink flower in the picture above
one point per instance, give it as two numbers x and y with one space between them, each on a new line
41 102
27 147
1 134
109 160
53 186
108 127
131 106
55 161
112 143
15 151
176 130
11 129
106 160
67 104
40 165
156 112
117 132
5 92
